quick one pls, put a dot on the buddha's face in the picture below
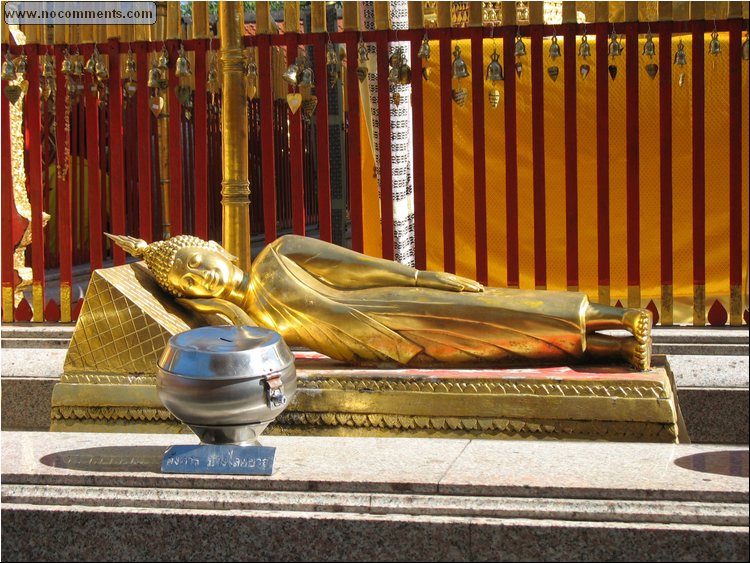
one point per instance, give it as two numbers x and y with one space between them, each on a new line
201 272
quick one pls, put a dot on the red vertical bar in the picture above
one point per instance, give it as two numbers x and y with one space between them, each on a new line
384 134
480 179
537 149
420 222
354 160
511 158
175 145
64 215
295 151
735 153
94 174
34 127
116 148
571 154
266 134
201 142
144 144
321 117
699 155
602 152
446 137
632 154
665 162
8 208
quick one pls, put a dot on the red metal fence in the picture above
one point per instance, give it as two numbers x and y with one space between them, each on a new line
289 158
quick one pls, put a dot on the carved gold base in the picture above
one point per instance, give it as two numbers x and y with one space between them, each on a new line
109 385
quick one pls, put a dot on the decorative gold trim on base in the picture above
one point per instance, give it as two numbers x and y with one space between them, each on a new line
37 295
8 304
66 313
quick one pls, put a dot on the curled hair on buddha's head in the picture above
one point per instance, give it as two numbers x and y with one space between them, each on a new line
160 255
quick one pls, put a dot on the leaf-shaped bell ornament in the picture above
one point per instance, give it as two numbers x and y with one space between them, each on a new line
91 63
182 66
495 69
615 46
290 74
714 46
459 65
649 48
584 49
424 48
163 61
554 48
48 68
746 49
9 68
154 76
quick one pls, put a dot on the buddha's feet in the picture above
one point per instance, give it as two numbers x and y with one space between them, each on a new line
638 322
638 354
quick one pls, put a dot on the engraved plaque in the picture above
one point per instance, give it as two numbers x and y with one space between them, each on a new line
219 459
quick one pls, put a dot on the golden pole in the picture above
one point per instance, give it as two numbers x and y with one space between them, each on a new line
235 188
200 20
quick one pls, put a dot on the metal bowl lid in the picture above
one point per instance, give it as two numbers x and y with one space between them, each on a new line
226 352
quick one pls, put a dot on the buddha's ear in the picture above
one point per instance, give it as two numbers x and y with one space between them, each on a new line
221 250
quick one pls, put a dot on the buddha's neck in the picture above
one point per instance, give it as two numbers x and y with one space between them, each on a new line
240 288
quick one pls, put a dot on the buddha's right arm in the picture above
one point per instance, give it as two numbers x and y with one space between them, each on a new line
230 311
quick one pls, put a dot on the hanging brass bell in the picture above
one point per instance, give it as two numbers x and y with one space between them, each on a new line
649 48
615 47
680 58
331 57
101 70
130 68
163 61
584 49
154 77
48 69
554 48
91 63
424 49
9 68
306 77
182 66
714 47
67 66
20 63
495 69
520 48
290 74
459 66
362 50
77 67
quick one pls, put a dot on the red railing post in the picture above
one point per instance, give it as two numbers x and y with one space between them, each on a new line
175 144
64 212
268 173
116 148
295 150
144 144
417 104
480 178
537 149
511 159
354 160
571 155
8 210
93 167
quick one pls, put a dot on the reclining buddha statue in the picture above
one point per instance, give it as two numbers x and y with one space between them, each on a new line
376 312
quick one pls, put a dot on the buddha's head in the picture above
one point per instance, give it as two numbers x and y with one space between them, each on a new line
185 266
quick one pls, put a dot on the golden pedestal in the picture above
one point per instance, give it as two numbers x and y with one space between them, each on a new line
109 378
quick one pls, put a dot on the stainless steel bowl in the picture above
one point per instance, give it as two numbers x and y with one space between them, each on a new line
227 383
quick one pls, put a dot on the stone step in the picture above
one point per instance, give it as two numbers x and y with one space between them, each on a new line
701 348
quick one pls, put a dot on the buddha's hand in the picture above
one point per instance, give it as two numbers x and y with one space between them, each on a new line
447 282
